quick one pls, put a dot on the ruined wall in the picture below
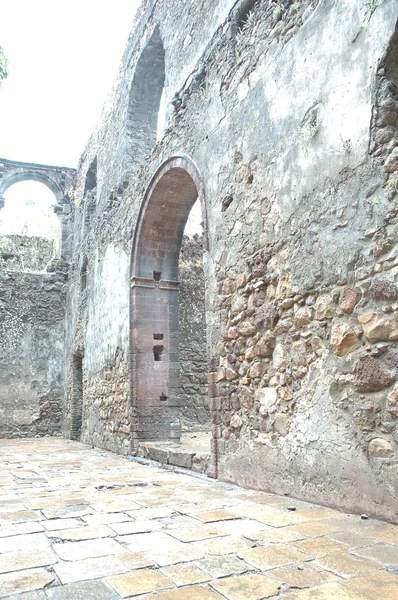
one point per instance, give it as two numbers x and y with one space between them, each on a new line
279 109
21 253
32 311
194 402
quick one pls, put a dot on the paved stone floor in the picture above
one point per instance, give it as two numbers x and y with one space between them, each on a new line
83 524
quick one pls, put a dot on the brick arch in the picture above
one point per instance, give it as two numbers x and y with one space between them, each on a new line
154 301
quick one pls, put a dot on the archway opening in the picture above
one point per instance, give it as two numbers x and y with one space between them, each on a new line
29 228
145 121
168 331
91 177
194 403
29 210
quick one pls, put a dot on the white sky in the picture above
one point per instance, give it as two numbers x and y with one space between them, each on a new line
63 58
28 210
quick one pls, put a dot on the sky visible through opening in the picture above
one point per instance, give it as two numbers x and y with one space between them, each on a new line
29 210
63 60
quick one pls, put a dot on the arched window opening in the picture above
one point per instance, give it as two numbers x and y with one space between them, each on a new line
145 100
192 349
91 177
29 211
169 362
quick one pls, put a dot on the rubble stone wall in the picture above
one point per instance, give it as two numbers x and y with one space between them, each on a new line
32 313
194 401
22 253
280 109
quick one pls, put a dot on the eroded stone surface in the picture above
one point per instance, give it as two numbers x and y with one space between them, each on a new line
24 581
85 590
267 557
26 559
381 448
186 574
375 586
326 592
139 582
246 587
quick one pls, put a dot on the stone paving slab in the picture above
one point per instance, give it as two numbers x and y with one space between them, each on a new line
24 581
88 590
247 587
79 524
29 596
23 542
26 559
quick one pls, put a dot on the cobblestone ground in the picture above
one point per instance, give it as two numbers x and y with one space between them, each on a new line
78 523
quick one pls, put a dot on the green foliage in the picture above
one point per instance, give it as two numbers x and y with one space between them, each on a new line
3 65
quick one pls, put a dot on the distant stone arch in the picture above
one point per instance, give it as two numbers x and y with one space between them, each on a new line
154 298
57 179
31 176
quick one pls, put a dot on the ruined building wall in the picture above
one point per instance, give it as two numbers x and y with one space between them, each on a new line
194 402
22 253
289 115
32 311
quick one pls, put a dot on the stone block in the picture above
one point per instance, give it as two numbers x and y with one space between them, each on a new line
85 590
139 582
24 581
378 328
380 448
246 587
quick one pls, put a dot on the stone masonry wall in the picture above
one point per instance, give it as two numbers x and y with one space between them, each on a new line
194 402
280 109
108 426
22 253
32 311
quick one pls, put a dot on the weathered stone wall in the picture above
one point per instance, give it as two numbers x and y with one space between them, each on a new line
277 111
194 402
22 253
32 311
106 415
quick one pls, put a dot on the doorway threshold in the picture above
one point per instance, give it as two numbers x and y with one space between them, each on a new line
192 452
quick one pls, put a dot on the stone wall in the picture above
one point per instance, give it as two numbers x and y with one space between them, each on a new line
194 402
31 353
106 414
280 110
22 253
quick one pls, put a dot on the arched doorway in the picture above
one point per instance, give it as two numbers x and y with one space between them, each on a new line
154 318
